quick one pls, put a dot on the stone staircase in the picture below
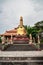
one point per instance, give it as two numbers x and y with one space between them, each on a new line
20 47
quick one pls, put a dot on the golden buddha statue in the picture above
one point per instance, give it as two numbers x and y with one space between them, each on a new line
21 30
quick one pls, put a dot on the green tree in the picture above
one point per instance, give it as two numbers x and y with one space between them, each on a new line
39 25
31 30
34 32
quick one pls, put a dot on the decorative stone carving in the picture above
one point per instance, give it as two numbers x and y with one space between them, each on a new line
30 41
38 39
3 40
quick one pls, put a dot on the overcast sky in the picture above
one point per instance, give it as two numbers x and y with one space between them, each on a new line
11 10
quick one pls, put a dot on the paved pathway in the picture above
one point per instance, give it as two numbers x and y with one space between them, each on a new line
21 53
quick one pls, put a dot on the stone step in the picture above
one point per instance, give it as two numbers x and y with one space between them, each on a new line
20 47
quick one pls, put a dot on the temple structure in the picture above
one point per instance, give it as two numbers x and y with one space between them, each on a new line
17 35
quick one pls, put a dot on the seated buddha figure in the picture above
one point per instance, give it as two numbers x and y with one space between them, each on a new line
21 30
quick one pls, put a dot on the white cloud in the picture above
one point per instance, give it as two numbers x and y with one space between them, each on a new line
11 10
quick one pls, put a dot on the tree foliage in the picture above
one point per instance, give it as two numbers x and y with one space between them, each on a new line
35 30
39 25
31 30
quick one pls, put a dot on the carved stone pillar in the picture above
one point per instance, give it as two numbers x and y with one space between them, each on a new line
30 41
11 39
3 40
38 43
38 39
7 40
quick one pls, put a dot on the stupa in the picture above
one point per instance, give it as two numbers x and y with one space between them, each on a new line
21 30
21 36
17 35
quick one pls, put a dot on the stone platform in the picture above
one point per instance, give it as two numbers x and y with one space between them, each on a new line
20 47
21 53
21 56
